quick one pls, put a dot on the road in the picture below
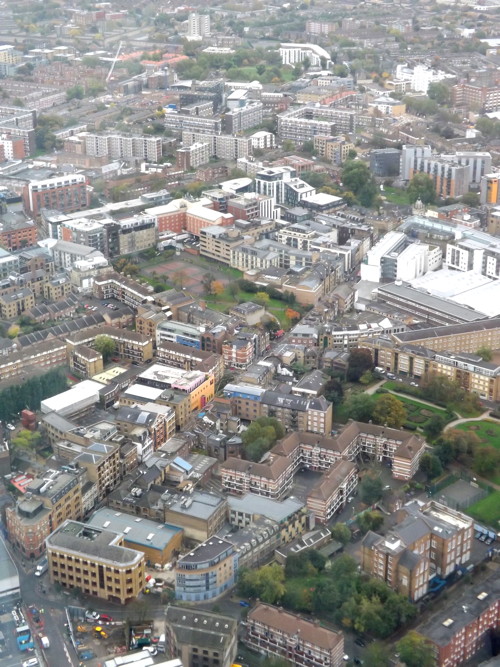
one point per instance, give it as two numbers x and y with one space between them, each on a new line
32 593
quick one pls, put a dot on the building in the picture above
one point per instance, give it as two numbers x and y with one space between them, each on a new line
313 415
159 542
206 572
410 156
303 123
115 286
15 301
47 502
174 354
278 633
273 478
193 156
385 162
431 539
94 561
129 345
103 465
291 515
450 178
223 146
466 624
478 98
198 26
334 149
291 54
199 514
243 118
478 254
455 338
195 384
218 242
66 193
396 257
78 400
150 425
330 494
200 638
478 162
123 147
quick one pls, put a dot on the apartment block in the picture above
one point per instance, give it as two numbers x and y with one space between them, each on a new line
115 286
102 461
193 156
329 496
291 54
65 193
94 561
198 386
15 301
207 571
200 638
480 98
303 123
461 338
218 242
174 354
46 504
47 353
466 624
122 147
333 149
222 146
129 345
303 643
429 540
243 118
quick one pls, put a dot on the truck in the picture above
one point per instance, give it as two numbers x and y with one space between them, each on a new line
42 567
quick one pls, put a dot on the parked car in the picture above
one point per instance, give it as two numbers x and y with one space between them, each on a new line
105 618
11 427
32 662
92 615
244 603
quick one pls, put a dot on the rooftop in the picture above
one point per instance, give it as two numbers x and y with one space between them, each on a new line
195 627
95 543
135 530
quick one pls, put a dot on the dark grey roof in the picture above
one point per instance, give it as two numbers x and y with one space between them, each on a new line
195 627
289 402
62 329
410 559
448 330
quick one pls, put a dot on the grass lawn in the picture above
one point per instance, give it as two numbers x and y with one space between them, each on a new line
406 390
487 510
396 196
224 301
420 413
487 430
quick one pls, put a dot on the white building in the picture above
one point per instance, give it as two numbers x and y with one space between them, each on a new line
198 26
411 154
291 54
420 76
262 140
478 162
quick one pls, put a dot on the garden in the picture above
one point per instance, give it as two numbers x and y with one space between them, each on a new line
487 510
487 431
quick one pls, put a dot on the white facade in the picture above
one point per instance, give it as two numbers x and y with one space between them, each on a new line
420 76
479 163
371 268
198 26
410 156
291 54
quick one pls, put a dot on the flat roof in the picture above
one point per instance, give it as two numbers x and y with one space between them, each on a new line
9 576
85 390
143 391
136 530
276 510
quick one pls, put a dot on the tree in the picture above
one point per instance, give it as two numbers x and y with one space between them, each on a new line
389 410
207 281
439 92
435 426
377 655
415 651
260 436
267 583
486 461
216 288
179 278
485 353
370 521
262 298
341 533
233 289
333 391
430 465
470 199
106 346
360 407
371 489
13 331
357 178
360 360
421 187
27 440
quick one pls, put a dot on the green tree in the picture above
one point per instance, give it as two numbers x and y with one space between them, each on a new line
434 426
360 407
421 187
370 521
486 461
267 583
360 360
106 346
333 391
389 410
341 533
430 465
377 655
371 489
260 436
415 651
27 440
357 178
471 199
485 353
439 92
